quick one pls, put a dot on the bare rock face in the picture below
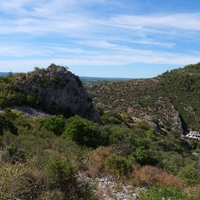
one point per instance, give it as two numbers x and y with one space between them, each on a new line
59 91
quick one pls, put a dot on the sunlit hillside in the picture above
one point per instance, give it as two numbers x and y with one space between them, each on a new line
135 151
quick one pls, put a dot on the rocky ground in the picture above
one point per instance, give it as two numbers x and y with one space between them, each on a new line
30 112
105 189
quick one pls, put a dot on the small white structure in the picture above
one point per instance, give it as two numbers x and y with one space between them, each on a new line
193 135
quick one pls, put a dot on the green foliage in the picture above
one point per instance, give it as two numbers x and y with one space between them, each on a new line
119 165
147 156
118 133
151 134
112 118
141 155
83 131
13 154
38 164
7 110
62 175
190 174
170 145
6 124
193 144
21 182
37 68
197 150
143 125
172 162
164 192
146 143
101 111
53 67
55 124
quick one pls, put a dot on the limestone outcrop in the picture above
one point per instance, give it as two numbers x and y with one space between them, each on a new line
57 90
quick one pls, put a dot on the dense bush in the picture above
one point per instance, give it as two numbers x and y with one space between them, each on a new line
55 124
6 124
62 175
190 174
13 154
118 133
147 157
119 165
83 131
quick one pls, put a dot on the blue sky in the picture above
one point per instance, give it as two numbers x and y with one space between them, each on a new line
100 38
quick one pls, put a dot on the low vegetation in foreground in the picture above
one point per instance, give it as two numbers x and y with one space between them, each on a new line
56 157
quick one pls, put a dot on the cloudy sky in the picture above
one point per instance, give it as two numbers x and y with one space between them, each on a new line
101 38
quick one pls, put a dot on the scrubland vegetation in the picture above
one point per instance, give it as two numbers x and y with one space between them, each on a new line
47 158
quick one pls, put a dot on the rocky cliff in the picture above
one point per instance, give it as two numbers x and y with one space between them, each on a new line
57 90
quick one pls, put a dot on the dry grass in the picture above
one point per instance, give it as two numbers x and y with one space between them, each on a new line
146 176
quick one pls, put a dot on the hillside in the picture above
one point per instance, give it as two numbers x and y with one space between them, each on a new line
171 99
134 152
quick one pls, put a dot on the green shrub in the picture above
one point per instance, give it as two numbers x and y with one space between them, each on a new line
100 110
21 181
13 154
172 162
190 174
143 125
146 143
151 134
83 131
119 165
34 142
170 145
62 176
55 124
163 192
141 155
193 144
76 153
6 124
112 118
117 133
147 156
197 150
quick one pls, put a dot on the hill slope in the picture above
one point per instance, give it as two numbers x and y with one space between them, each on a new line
171 100
137 146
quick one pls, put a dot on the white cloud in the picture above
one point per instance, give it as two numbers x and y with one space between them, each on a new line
154 43
96 58
89 38
62 15
176 21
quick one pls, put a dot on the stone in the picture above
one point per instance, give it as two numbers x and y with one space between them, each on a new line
61 92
